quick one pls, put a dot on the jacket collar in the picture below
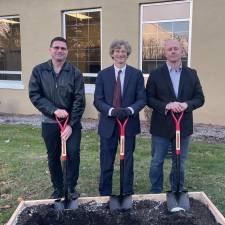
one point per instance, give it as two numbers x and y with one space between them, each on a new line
48 66
182 79
165 71
126 78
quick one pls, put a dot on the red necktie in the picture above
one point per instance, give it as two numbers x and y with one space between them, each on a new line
117 98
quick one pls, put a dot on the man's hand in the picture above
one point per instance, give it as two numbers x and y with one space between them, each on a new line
184 105
115 112
127 112
118 113
176 107
66 133
121 113
61 113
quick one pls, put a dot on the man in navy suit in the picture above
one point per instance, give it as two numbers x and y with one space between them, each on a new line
172 87
118 101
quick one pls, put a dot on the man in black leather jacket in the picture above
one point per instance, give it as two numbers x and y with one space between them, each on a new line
56 89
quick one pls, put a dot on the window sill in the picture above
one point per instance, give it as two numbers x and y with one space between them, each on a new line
7 84
89 88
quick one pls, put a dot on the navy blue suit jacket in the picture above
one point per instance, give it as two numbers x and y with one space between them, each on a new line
160 92
133 96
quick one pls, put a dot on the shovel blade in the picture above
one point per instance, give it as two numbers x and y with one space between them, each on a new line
61 205
72 204
121 202
177 201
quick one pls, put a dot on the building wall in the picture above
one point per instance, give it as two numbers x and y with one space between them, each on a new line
41 20
208 57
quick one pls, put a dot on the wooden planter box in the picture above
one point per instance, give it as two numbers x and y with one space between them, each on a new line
201 196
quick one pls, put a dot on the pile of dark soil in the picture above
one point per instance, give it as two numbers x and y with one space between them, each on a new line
94 213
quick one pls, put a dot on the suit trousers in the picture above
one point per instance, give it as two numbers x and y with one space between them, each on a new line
52 139
108 149
159 151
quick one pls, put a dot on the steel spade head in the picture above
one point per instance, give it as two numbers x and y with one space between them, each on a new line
61 205
177 201
120 202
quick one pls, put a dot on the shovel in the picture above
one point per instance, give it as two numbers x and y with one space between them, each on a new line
122 201
67 203
177 200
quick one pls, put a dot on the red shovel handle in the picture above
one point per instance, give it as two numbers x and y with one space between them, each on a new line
122 136
62 126
177 123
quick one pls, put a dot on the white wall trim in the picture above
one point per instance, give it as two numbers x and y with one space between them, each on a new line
89 88
9 84
164 21
166 3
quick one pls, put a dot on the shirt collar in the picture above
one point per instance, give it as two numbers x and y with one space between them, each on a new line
65 66
117 69
170 67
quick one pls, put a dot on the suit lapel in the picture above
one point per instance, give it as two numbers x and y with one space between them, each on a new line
182 80
111 80
168 79
126 78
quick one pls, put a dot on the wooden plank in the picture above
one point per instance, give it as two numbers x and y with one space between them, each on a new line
201 196
16 212
208 203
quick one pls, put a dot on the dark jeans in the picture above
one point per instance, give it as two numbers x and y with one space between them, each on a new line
108 149
51 136
159 151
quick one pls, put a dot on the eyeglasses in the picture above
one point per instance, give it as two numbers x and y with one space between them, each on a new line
61 48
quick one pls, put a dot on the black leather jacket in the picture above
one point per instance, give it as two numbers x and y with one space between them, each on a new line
49 92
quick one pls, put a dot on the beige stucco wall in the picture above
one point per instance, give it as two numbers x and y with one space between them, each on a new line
208 57
41 20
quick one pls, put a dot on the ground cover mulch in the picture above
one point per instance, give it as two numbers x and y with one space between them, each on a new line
95 213
208 133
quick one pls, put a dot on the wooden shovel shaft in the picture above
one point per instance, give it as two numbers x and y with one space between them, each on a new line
122 143
63 150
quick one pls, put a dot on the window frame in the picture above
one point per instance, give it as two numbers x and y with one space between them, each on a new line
169 20
12 84
89 88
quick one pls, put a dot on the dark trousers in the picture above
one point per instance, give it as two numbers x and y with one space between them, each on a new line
108 149
51 136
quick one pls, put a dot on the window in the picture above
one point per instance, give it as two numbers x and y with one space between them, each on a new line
10 50
82 30
161 21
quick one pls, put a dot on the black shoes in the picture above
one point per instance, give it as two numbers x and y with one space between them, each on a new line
57 193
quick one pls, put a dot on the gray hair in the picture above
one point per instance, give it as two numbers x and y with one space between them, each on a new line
117 44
